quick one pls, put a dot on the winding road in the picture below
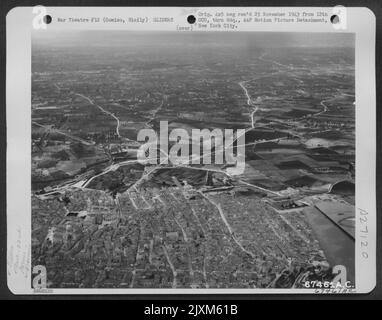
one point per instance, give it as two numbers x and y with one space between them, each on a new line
249 102
103 110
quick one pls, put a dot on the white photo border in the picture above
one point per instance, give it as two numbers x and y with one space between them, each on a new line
360 20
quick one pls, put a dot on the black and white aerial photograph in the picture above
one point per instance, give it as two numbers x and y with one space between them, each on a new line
199 160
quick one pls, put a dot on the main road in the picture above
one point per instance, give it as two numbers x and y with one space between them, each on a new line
50 128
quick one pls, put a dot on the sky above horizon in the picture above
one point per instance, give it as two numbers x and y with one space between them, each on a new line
172 38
